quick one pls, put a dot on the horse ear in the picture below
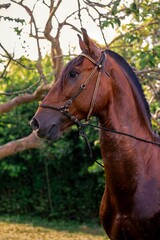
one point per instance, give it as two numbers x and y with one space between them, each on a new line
81 43
92 48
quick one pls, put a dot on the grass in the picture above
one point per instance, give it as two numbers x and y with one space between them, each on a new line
18 228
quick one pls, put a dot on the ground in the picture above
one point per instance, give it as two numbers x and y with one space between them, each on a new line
42 230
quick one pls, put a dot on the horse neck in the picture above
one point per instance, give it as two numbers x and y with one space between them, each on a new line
126 113
127 108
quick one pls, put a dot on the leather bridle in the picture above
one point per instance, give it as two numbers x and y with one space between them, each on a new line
65 108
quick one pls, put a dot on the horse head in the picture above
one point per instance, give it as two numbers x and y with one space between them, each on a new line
76 95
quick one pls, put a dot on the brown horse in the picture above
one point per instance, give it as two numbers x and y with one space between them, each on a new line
101 83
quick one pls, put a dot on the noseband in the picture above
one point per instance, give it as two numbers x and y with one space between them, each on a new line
65 108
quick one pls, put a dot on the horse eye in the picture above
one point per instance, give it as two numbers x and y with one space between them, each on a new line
73 74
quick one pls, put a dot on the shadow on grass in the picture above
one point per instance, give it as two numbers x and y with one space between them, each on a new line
69 226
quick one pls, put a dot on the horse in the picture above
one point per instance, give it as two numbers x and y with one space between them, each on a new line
102 84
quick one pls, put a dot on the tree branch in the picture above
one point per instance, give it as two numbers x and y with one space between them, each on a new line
138 28
32 21
31 141
55 43
7 5
11 58
25 98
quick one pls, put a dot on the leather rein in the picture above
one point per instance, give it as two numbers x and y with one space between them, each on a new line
65 108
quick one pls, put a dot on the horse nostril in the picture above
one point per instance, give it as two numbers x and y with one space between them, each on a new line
34 124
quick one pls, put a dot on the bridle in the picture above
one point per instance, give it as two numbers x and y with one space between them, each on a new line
65 108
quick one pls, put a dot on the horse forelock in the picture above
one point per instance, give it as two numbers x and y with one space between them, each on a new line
70 66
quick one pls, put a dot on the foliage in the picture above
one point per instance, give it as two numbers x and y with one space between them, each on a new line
73 188
17 20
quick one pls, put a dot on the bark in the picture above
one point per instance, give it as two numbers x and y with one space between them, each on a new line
7 5
29 142
55 43
25 98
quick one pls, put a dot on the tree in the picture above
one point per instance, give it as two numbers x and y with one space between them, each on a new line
137 39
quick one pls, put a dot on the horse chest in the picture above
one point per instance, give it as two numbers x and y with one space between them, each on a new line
147 198
126 227
134 216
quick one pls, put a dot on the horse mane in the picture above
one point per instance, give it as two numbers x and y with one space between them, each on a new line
132 77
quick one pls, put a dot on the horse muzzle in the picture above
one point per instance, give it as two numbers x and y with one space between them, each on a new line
47 130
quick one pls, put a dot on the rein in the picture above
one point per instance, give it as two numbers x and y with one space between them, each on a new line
65 108
115 132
